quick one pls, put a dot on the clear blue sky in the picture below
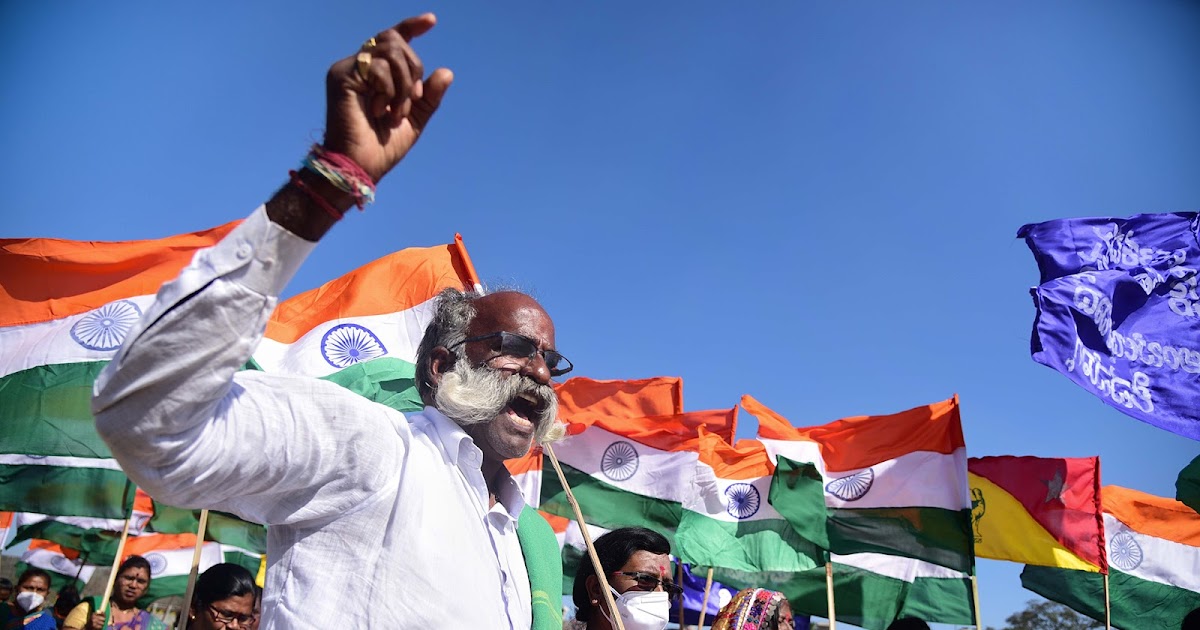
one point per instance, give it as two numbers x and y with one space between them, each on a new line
814 203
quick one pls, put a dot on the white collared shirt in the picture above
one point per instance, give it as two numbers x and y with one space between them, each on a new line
376 520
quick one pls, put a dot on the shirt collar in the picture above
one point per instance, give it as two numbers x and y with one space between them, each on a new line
450 435
456 443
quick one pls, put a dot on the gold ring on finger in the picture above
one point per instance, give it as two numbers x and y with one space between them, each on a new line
363 65
368 45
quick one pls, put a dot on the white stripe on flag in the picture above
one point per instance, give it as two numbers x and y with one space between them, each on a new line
399 332
59 461
899 567
58 563
1150 558
629 465
50 343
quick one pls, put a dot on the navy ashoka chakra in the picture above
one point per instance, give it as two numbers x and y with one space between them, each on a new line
347 344
105 328
1124 552
619 462
744 500
851 487
158 563
64 565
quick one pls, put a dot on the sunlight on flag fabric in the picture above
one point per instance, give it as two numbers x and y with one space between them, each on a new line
1119 314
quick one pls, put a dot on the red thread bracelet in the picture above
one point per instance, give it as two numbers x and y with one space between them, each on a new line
321 201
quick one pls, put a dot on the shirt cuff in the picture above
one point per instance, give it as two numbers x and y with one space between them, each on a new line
260 254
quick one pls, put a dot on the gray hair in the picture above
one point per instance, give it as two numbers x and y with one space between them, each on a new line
452 315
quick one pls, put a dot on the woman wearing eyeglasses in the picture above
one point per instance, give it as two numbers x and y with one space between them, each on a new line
224 598
637 563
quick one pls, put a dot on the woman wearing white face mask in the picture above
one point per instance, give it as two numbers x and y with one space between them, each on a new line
638 567
32 588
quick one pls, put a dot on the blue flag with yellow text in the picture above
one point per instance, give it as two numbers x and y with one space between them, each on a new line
1118 312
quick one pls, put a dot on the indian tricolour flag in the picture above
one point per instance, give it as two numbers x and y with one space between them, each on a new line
894 484
632 471
65 566
65 308
1153 546
362 330
97 536
170 557
582 400
870 589
728 523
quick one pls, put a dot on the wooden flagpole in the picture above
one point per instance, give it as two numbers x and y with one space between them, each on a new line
1107 605
829 594
587 540
679 581
975 597
704 604
191 583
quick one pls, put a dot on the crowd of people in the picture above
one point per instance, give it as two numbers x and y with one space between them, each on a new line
225 596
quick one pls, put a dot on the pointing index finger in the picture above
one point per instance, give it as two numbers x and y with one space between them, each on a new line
416 26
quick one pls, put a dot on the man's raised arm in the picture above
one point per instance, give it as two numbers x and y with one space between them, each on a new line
172 405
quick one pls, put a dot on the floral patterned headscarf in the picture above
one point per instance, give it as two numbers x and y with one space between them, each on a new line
750 609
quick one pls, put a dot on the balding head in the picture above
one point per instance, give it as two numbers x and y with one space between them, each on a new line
482 372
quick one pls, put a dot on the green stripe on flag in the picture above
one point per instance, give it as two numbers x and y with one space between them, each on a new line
96 546
226 529
1135 603
387 380
1187 485
607 506
244 560
749 546
798 494
65 491
46 410
160 587
935 535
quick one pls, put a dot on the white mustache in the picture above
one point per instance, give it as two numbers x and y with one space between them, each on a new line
474 395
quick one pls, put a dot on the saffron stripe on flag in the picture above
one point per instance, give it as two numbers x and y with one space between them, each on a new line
43 279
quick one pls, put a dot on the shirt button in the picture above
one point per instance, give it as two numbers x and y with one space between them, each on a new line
243 251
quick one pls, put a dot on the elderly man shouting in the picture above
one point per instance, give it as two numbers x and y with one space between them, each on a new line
376 519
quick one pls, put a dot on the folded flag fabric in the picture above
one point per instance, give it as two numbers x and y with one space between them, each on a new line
65 308
1118 312
1153 546
1038 510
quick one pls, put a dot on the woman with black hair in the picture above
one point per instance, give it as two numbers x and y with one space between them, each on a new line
224 598
29 612
637 563
133 580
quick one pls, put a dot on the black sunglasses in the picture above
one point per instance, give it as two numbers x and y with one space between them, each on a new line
648 582
522 347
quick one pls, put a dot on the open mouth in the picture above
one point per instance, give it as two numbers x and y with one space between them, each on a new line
524 410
